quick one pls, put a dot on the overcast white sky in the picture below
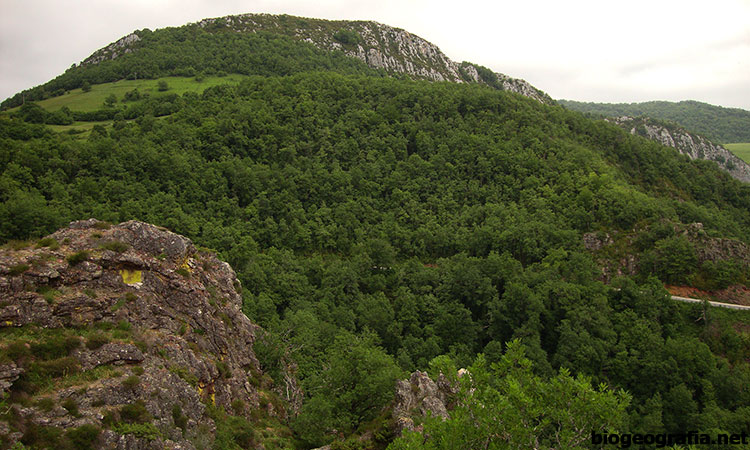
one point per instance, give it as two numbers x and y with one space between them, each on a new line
588 50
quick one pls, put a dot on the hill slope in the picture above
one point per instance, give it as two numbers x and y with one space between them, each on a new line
382 225
203 47
691 145
719 124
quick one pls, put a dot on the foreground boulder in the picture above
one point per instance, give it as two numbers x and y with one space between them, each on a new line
124 336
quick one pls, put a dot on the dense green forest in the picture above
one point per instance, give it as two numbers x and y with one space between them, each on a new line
719 124
381 225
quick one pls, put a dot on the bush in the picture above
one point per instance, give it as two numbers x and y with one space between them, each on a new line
55 347
131 382
83 437
71 406
49 242
347 37
162 86
55 368
96 340
18 269
78 257
115 246
141 430
180 420
135 413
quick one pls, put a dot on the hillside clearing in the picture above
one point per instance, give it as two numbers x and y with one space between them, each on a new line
77 100
742 150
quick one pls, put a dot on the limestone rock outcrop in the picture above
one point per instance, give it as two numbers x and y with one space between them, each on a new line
420 396
143 318
689 144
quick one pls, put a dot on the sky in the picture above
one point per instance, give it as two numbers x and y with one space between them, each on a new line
586 50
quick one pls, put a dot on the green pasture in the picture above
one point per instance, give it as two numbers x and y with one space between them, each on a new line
77 100
742 150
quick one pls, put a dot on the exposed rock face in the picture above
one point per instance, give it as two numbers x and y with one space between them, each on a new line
379 46
420 395
183 341
694 146
113 50
707 248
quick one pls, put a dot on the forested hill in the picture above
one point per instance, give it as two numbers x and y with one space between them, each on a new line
379 225
231 45
719 124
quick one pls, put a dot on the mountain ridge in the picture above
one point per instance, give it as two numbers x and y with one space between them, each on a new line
379 46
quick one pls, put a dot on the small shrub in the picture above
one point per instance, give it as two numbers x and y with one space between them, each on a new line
45 404
129 297
78 257
17 245
131 382
135 413
89 293
39 436
96 340
185 374
55 368
48 293
48 242
183 329
183 271
124 325
118 304
162 86
144 430
180 420
55 347
142 346
102 225
347 37
71 406
238 406
115 246
83 437
138 370
18 269
223 369
18 351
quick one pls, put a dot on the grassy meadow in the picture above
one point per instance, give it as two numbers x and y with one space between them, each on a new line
77 100
742 150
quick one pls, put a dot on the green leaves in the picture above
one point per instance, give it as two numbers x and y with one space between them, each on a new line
356 379
506 406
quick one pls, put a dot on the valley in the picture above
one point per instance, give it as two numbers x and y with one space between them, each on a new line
339 238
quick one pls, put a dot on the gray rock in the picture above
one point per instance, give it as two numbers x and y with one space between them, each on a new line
186 330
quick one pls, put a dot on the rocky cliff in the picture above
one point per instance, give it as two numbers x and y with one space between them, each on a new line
123 336
692 145
380 46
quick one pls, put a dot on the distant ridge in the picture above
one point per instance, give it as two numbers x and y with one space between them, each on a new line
717 123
